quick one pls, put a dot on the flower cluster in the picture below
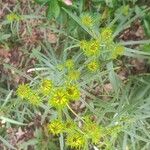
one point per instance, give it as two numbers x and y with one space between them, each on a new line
90 48
76 140
87 20
93 66
73 92
69 64
92 51
70 70
59 98
73 75
96 133
25 92
118 50
62 96
77 136
46 87
106 35
34 99
13 17
56 127
108 44
70 126
114 130
100 49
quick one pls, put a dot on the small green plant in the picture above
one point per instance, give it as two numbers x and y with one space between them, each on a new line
67 90
97 53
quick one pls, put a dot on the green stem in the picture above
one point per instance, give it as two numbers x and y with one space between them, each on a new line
75 113
61 138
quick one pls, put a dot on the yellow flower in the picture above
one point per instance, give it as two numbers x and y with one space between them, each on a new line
69 64
34 99
93 66
73 75
23 90
76 140
59 99
46 86
125 10
56 127
73 92
70 126
92 48
87 20
93 132
114 130
106 35
13 17
83 44
118 50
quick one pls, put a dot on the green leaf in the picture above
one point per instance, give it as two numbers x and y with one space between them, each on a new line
53 9
114 79
136 53
146 48
134 42
7 98
147 27
11 121
4 36
42 1
6 143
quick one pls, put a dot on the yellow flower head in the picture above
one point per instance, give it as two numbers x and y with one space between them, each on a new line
92 48
34 99
83 44
73 75
76 140
87 20
70 126
59 99
94 134
118 50
13 17
73 92
69 64
113 131
46 86
106 35
23 90
125 10
93 66
56 127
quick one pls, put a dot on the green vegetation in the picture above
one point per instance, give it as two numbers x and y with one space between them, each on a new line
75 75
